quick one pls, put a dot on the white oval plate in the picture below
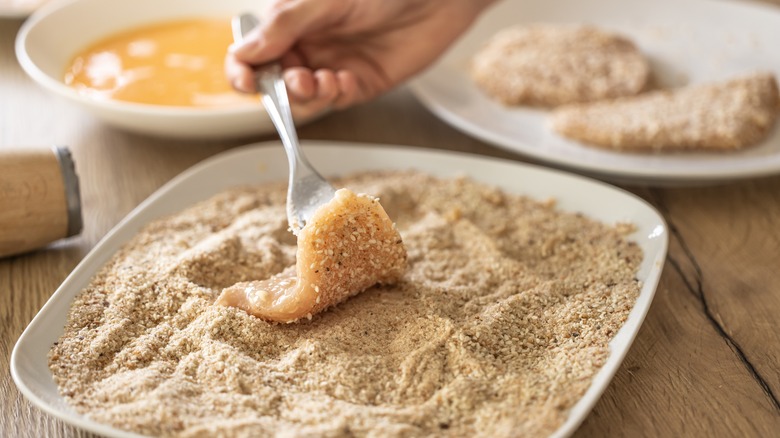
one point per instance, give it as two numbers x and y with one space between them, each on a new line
266 162
690 41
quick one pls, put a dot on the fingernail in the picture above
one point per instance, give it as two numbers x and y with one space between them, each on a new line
240 47
242 86
243 48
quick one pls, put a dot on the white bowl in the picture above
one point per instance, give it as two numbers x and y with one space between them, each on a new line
55 33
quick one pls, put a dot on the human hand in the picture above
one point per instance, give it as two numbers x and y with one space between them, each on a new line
337 53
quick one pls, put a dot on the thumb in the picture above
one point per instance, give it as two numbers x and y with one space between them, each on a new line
282 26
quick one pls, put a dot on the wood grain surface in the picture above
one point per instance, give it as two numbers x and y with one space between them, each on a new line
705 363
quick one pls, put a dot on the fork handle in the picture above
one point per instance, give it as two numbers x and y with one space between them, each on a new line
269 82
274 97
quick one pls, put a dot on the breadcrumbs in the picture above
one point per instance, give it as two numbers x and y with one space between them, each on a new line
723 116
500 322
550 65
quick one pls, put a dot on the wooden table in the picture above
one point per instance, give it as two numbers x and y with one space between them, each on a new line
705 363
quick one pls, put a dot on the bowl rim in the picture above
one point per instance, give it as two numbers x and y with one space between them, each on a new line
48 82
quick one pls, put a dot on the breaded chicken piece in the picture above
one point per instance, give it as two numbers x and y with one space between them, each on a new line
723 116
349 245
551 65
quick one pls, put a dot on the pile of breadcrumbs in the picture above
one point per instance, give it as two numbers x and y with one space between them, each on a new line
500 323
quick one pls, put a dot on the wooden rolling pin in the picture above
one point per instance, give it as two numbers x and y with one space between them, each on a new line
39 198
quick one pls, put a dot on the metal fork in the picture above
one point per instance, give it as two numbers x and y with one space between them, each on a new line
306 189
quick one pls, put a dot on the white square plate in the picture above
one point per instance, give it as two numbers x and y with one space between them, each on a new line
686 42
261 163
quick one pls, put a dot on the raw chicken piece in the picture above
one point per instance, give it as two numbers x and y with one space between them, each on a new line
348 245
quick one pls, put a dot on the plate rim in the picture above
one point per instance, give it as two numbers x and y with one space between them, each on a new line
578 412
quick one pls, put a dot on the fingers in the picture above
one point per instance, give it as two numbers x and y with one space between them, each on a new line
327 86
301 85
315 92
310 92
283 25
349 91
239 74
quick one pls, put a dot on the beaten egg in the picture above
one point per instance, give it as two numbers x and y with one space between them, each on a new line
177 63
